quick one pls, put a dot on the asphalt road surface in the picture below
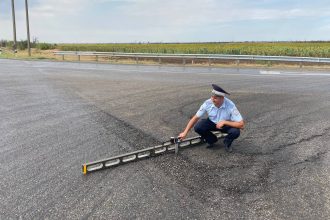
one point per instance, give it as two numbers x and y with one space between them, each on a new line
56 116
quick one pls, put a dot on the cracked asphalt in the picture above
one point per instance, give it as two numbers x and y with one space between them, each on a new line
56 116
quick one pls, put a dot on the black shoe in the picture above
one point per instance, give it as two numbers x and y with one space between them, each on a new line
228 147
210 146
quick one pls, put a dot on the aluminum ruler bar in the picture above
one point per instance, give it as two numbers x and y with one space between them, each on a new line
169 146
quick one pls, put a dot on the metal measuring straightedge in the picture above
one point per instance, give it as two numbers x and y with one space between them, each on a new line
173 145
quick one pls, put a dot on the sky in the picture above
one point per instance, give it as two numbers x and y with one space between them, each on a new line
135 21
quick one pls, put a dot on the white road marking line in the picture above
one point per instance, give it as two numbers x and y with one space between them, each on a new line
270 72
293 73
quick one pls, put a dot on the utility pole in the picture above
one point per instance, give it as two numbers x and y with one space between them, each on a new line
27 26
14 25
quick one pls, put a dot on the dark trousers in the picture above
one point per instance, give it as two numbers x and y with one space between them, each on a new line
205 126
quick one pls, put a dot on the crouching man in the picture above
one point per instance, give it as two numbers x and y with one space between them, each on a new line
222 116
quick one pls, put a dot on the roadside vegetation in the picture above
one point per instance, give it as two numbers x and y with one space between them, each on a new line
23 45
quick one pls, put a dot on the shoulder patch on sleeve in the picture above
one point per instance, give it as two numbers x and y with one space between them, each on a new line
235 111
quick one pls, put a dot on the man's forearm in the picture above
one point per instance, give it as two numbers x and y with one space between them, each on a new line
234 124
191 124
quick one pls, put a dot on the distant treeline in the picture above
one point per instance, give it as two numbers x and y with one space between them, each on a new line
302 49
22 45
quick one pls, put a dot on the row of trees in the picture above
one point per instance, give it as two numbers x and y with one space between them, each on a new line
22 44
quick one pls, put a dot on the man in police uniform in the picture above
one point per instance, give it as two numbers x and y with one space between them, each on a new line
222 116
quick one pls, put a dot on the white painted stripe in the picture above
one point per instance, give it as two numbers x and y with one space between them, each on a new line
293 73
270 72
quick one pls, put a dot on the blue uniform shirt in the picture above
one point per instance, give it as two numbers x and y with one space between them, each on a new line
227 111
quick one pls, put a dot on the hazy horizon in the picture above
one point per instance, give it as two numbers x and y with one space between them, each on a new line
173 21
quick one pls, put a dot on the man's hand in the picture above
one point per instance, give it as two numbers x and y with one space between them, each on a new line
220 124
182 135
234 124
190 124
